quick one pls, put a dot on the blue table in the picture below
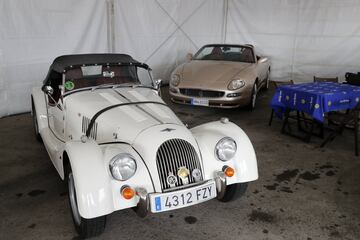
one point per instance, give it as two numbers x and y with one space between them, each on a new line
315 99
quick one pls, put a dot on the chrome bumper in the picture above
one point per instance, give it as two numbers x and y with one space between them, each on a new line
143 206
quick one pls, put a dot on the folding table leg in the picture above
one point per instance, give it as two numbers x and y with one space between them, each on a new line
310 133
271 117
356 128
286 119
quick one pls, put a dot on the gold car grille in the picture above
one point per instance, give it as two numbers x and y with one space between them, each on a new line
201 93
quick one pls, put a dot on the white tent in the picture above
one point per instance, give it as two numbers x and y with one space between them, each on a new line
303 37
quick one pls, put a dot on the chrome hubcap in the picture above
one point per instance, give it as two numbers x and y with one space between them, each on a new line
73 202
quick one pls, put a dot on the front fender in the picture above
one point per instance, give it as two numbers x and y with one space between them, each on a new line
92 183
244 162
38 99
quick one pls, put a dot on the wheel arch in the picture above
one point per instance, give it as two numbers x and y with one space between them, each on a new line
245 164
92 183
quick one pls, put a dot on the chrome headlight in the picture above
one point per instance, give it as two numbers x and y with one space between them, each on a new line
236 84
175 80
225 149
122 166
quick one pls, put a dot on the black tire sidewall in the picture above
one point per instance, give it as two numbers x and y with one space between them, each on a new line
234 191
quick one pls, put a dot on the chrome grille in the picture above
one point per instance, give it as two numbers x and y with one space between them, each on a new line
85 125
172 155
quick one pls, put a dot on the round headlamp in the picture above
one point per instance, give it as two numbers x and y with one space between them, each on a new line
236 84
225 149
175 80
122 166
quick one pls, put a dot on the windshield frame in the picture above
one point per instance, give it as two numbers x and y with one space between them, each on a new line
225 45
91 88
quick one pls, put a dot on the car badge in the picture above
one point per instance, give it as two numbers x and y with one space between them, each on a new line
196 173
183 173
171 179
167 130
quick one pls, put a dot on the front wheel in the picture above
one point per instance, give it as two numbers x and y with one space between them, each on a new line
234 191
254 92
85 227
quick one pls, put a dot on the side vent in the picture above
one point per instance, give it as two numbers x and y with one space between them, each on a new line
85 125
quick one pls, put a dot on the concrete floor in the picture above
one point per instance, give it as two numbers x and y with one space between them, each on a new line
303 192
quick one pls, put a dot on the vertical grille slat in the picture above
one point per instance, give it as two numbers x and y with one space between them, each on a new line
172 155
162 168
167 161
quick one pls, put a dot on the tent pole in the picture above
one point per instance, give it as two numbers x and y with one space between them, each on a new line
110 25
224 26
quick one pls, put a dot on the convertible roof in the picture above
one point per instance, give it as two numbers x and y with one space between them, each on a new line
66 61
228 45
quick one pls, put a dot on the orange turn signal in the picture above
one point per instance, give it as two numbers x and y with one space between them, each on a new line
128 193
229 171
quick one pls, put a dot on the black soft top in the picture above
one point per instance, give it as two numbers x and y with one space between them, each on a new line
65 62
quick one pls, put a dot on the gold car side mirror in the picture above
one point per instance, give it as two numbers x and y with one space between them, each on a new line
189 56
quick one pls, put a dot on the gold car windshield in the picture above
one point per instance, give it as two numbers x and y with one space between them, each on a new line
225 53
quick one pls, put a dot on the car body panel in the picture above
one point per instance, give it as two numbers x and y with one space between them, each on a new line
137 129
216 75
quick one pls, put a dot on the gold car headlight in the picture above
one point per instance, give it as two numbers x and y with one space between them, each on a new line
122 166
175 80
236 84
225 149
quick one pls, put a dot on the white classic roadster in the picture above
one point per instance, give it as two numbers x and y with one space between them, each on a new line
118 145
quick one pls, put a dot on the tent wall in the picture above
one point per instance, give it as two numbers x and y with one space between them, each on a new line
162 32
34 32
302 37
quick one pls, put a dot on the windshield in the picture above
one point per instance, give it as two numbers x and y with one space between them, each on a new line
225 53
95 75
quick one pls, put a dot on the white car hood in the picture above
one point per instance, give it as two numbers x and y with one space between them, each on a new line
119 124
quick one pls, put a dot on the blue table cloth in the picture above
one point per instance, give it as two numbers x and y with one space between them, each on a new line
316 99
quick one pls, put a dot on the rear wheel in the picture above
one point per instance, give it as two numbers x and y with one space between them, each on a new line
35 122
234 191
85 227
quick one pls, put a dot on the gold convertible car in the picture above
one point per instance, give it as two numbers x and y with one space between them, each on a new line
220 75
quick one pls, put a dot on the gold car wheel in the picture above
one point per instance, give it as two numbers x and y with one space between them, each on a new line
267 79
253 96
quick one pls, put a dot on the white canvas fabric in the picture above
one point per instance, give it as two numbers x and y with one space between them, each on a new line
303 37
34 32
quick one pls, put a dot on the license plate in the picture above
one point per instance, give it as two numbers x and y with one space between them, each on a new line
168 201
200 102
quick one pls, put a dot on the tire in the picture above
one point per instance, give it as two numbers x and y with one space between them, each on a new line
234 192
35 122
253 97
267 83
86 228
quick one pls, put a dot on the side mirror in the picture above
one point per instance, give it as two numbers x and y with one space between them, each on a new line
263 59
158 83
48 90
189 56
